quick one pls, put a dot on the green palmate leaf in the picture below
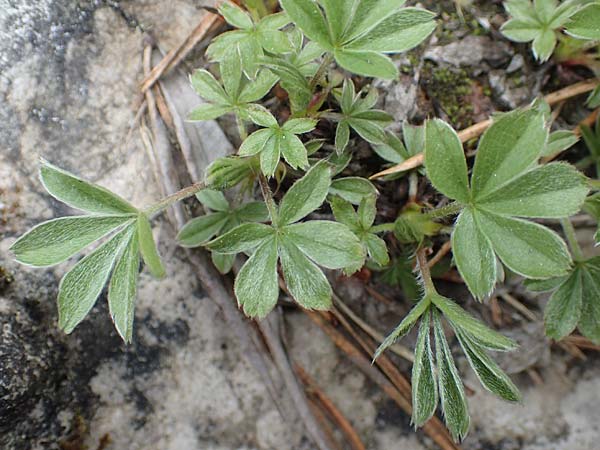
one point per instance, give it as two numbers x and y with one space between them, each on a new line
81 194
236 16
544 44
424 383
222 262
329 244
370 64
258 88
81 286
148 247
208 111
293 151
262 116
256 142
252 212
344 212
377 249
474 255
236 93
250 42
586 23
342 136
544 285
505 182
368 13
361 224
544 9
560 141
452 393
123 287
524 247
214 200
57 240
367 211
491 376
269 157
392 150
400 32
360 32
299 126
306 195
357 114
475 329
445 161
563 310
256 286
508 148
276 141
353 189
405 326
305 281
241 239
551 191
539 22
207 87
308 17
520 31
293 80
201 229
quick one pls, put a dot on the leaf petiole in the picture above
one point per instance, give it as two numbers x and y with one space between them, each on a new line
268 197
174 198
444 211
384 227
572 239
425 272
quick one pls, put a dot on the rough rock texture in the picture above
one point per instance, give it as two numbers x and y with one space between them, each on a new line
68 82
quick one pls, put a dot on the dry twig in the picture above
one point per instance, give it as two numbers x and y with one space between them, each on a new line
478 129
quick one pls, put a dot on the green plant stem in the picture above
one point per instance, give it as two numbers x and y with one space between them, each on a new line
327 59
384 227
413 187
174 198
572 239
241 127
425 272
444 211
268 197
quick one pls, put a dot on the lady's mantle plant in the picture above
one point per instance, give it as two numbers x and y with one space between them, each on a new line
278 237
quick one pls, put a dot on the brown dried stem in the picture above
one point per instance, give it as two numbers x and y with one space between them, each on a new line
478 129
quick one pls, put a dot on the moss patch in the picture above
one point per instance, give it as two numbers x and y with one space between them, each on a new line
448 90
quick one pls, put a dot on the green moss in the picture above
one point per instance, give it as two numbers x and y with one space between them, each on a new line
448 89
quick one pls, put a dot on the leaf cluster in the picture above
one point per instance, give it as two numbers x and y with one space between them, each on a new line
574 301
220 218
435 378
55 241
360 222
507 186
542 21
360 34
299 247
357 113
538 22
